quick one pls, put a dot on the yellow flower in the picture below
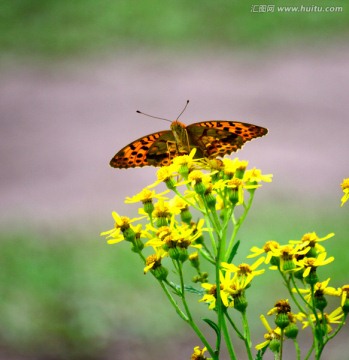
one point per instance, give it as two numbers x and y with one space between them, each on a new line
233 289
282 306
220 205
145 196
180 206
211 295
271 335
345 188
153 261
179 203
199 181
287 255
344 297
186 163
311 239
162 213
175 236
227 286
234 167
114 236
236 188
320 289
268 246
196 177
198 354
165 174
122 229
255 176
213 165
245 271
333 318
310 264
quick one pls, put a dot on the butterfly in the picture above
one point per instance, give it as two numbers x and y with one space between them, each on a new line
211 139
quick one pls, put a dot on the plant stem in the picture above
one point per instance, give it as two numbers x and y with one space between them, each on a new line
310 351
247 335
190 319
281 343
238 224
297 349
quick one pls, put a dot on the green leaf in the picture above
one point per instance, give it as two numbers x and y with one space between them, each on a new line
215 327
260 353
234 251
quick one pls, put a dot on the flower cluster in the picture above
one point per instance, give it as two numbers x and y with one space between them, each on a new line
187 238
299 261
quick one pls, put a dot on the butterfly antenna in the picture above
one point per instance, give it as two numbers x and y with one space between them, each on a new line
183 110
152 116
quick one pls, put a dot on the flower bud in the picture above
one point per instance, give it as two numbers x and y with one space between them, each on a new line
282 320
299 274
137 245
183 254
291 331
200 188
186 216
210 200
173 253
160 273
234 196
274 345
320 302
312 278
275 261
148 207
184 171
239 173
288 265
161 221
240 303
129 234
194 260
345 306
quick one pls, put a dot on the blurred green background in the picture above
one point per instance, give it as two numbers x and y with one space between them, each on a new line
65 294
61 28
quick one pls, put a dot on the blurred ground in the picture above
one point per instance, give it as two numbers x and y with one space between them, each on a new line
61 123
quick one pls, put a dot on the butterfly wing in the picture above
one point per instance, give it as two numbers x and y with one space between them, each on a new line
218 138
155 149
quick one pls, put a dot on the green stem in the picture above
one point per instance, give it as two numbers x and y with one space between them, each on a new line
292 293
219 304
205 252
228 340
339 327
281 343
310 351
297 349
247 335
187 201
241 336
212 216
190 319
318 330
238 224
173 302
212 238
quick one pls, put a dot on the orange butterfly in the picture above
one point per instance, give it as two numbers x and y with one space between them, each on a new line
210 138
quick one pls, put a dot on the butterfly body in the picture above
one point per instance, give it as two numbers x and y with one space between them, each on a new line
210 138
